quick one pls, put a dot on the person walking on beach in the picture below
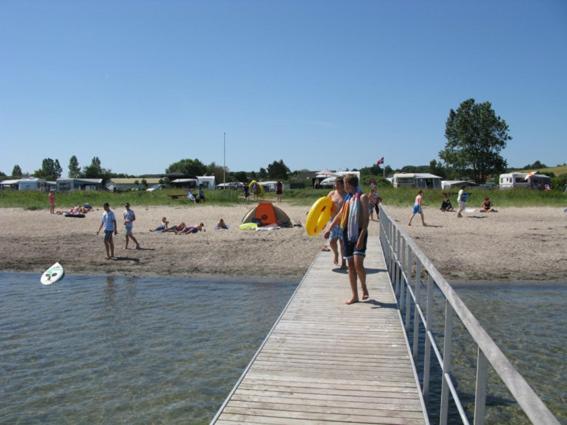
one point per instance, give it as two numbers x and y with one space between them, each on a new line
417 208
336 235
353 219
129 218
462 201
51 198
108 221
279 191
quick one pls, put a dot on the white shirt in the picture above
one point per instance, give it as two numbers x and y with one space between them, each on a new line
460 196
129 216
108 220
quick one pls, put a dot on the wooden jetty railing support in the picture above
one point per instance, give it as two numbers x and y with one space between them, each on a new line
402 255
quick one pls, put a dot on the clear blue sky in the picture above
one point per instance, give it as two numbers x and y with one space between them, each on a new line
319 84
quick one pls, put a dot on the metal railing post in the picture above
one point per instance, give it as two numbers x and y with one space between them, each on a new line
427 350
415 348
408 305
480 389
447 343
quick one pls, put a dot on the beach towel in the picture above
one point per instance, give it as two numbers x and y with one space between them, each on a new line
353 218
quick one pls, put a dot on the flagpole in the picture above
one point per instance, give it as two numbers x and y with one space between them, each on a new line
224 158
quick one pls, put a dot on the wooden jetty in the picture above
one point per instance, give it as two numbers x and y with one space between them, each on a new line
327 362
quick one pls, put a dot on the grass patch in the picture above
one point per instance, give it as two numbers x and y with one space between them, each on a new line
391 196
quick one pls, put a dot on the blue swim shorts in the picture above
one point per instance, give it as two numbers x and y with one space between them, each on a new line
108 235
417 209
336 232
128 228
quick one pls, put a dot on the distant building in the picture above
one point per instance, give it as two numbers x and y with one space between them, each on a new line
26 184
527 180
66 185
417 180
130 183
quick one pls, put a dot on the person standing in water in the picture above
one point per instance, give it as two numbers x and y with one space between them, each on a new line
353 219
108 221
417 208
129 218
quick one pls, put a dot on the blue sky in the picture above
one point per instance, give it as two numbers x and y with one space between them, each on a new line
319 84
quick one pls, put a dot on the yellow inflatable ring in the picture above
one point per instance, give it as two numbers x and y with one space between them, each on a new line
318 216
260 187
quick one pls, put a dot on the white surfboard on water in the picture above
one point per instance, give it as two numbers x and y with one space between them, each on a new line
52 274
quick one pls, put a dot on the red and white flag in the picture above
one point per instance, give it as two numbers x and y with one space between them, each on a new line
380 161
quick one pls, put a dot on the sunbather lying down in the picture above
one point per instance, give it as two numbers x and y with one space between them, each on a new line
162 226
192 229
175 229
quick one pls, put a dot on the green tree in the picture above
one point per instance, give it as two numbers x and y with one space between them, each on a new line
263 173
218 171
278 170
16 171
50 169
95 170
475 137
188 167
240 176
74 168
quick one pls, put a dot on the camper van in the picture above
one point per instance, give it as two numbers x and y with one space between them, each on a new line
419 180
530 181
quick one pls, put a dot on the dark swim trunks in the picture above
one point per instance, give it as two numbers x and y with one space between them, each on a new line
350 247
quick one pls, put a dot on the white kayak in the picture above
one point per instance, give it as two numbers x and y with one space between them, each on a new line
52 274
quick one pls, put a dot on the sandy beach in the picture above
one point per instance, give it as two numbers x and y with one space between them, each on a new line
515 244
33 240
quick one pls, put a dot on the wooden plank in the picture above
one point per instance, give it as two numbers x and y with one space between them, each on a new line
326 362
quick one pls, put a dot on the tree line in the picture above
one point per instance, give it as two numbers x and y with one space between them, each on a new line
475 137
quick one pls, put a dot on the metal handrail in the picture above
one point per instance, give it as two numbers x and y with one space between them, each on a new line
401 253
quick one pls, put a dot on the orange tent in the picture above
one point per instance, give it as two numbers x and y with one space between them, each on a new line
266 213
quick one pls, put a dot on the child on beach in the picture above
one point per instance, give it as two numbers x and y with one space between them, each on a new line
162 226
221 225
417 208
462 197
129 218
51 197
353 219
108 221
446 205
486 205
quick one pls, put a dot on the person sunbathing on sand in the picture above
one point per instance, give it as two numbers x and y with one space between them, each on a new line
162 227
175 229
191 229
486 206
221 225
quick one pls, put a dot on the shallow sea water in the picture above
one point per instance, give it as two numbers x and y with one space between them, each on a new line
529 324
113 350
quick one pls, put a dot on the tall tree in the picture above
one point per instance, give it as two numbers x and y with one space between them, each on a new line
94 170
475 137
50 169
188 167
74 168
278 170
218 171
16 171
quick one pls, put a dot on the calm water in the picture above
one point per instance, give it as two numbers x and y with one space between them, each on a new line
121 350
136 351
529 324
